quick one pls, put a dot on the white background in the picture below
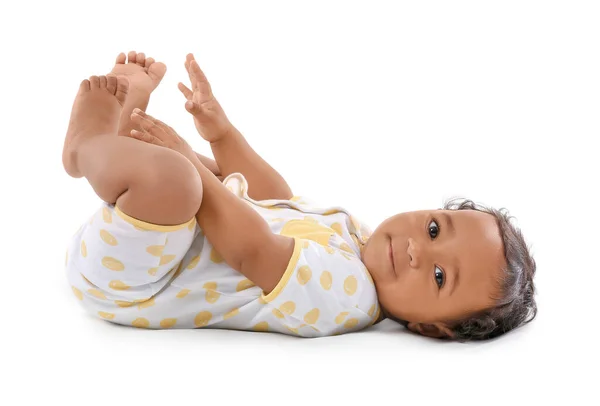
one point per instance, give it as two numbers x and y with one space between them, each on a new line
379 107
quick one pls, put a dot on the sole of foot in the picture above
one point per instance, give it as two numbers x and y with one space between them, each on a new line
96 111
144 74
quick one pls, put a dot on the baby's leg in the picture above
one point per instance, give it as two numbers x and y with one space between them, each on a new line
147 182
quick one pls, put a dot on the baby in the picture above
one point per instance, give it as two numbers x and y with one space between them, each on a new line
182 241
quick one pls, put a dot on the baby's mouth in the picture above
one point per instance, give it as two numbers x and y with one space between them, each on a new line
391 255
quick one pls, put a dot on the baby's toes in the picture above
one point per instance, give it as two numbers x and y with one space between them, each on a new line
111 83
140 59
149 61
122 89
131 56
94 82
157 71
121 59
103 82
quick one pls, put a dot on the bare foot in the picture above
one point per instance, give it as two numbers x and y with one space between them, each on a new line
144 75
96 111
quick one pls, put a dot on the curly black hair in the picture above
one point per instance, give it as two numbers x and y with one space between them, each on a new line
515 306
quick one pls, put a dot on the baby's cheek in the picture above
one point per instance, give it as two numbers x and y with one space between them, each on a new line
405 298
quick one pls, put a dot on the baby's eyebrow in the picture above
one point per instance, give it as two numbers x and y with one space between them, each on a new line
449 222
455 280
456 273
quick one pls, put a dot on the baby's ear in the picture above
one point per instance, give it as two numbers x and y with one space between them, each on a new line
434 330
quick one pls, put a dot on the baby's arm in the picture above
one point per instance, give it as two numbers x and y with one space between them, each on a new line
240 235
230 149
233 154
236 231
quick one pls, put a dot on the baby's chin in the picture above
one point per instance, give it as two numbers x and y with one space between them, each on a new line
374 256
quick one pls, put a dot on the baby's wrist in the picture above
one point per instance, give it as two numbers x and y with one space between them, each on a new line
227 134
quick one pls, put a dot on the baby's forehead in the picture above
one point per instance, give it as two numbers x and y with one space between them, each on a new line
479 246
474 221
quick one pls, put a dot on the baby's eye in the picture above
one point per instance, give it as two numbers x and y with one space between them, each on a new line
433 229
439 276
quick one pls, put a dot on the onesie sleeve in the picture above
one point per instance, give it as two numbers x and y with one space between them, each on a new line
324 291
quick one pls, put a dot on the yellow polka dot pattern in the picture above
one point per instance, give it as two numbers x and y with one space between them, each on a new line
337 227
350 285
351 323
211 295
106 215
345 247
96 293
263 326
371 311
215 257
155 250
182 293
231 313
312 316
303 230
288 308
77 293
194 262
326 280
347 256
165 259
168 323
340 317
113 264
146 303
140 322
108 238
118 285
243 285
309 230
202 319
303 275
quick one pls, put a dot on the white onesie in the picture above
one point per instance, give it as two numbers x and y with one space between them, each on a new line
134 273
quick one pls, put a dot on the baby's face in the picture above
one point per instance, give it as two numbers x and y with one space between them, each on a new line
435 265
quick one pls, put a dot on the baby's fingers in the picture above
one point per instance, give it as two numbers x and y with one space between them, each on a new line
185 90
141 121
198 77
157 124
146 137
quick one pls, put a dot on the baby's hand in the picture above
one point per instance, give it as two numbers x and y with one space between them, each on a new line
153 131
209 118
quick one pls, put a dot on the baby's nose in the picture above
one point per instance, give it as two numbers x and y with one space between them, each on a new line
412 253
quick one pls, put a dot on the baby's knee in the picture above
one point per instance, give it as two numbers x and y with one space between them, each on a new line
175 180
167 192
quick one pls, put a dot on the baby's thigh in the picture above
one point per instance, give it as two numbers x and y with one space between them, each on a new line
116 258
